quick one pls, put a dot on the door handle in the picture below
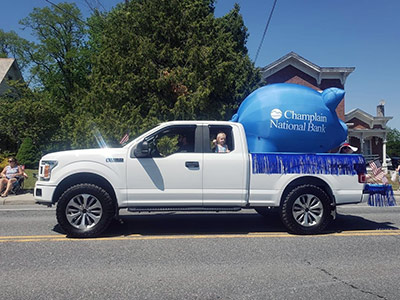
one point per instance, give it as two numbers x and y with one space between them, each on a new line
192 164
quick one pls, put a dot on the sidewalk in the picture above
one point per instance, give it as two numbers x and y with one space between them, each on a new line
27 199
20 199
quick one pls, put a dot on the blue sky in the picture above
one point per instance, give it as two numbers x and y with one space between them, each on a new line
341 33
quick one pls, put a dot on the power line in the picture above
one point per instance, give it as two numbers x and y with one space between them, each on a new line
265 31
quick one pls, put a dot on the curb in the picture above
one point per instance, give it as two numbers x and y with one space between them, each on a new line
21 199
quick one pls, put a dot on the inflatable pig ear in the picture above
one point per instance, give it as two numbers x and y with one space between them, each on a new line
235 118
332 97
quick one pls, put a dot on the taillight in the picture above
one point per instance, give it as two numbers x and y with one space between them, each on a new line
362 178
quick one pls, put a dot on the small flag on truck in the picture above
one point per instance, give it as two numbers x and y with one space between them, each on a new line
124 139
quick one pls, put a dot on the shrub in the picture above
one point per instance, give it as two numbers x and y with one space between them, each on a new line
28 154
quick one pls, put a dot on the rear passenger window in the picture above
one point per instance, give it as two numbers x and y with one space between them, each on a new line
221 139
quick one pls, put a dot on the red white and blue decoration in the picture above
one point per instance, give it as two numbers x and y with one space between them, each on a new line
380 194
292 118
302 163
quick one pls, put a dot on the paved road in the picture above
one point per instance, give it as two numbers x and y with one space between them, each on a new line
201 256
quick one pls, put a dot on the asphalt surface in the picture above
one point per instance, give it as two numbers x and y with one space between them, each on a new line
200 256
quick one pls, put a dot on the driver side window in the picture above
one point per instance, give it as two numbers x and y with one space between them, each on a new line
172 140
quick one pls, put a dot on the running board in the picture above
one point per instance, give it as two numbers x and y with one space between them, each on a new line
150 209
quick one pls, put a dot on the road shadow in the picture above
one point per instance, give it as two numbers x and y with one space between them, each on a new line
170 223
225 223
345 222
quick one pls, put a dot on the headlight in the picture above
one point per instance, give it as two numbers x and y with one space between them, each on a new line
45 168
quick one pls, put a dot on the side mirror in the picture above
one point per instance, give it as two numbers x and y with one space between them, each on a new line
142 149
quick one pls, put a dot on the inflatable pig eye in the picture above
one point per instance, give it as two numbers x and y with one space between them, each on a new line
292 118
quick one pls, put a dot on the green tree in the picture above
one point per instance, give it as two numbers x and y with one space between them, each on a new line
26 113
13 46
164 60
60 65
59 57
28 154
393 142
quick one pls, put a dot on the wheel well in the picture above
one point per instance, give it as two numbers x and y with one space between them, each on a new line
84 178
309 180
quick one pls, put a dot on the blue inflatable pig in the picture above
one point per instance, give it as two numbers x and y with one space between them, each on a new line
292 118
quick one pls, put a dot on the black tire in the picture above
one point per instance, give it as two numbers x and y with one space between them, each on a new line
266 211
85 210
306 210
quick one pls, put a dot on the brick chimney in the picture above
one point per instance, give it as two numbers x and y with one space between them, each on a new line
380 109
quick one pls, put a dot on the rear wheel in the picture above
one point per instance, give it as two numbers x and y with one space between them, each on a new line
306 210
85 210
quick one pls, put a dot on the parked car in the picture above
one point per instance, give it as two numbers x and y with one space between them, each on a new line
395 162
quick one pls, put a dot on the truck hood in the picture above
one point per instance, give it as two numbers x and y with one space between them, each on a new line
99 155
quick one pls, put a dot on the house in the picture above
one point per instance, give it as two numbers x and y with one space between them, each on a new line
9 70
366 132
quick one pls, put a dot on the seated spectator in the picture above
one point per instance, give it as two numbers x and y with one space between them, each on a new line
220 143
9 176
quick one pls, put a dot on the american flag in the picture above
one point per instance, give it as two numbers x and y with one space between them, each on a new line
124 139
376 167
379 174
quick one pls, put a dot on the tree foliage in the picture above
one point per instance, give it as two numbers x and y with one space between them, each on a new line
167 60
27 153
12 45
144 62
59 57
27 114
393 142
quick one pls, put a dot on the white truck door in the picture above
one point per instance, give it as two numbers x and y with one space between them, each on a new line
172 174
224 174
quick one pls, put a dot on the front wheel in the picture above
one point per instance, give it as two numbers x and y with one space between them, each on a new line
85 210
306 210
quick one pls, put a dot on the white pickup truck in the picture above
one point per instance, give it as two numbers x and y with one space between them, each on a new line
156 172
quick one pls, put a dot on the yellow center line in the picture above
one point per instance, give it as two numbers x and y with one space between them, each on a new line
55 238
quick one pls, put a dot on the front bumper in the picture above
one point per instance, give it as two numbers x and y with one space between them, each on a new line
44 193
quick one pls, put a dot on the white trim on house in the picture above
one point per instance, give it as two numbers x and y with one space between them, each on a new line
307 67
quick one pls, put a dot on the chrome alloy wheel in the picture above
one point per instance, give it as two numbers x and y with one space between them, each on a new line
84 211
307 210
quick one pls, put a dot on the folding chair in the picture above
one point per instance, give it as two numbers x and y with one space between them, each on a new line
18 186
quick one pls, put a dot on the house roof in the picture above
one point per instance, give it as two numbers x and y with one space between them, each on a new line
315 71
5 65
366 118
